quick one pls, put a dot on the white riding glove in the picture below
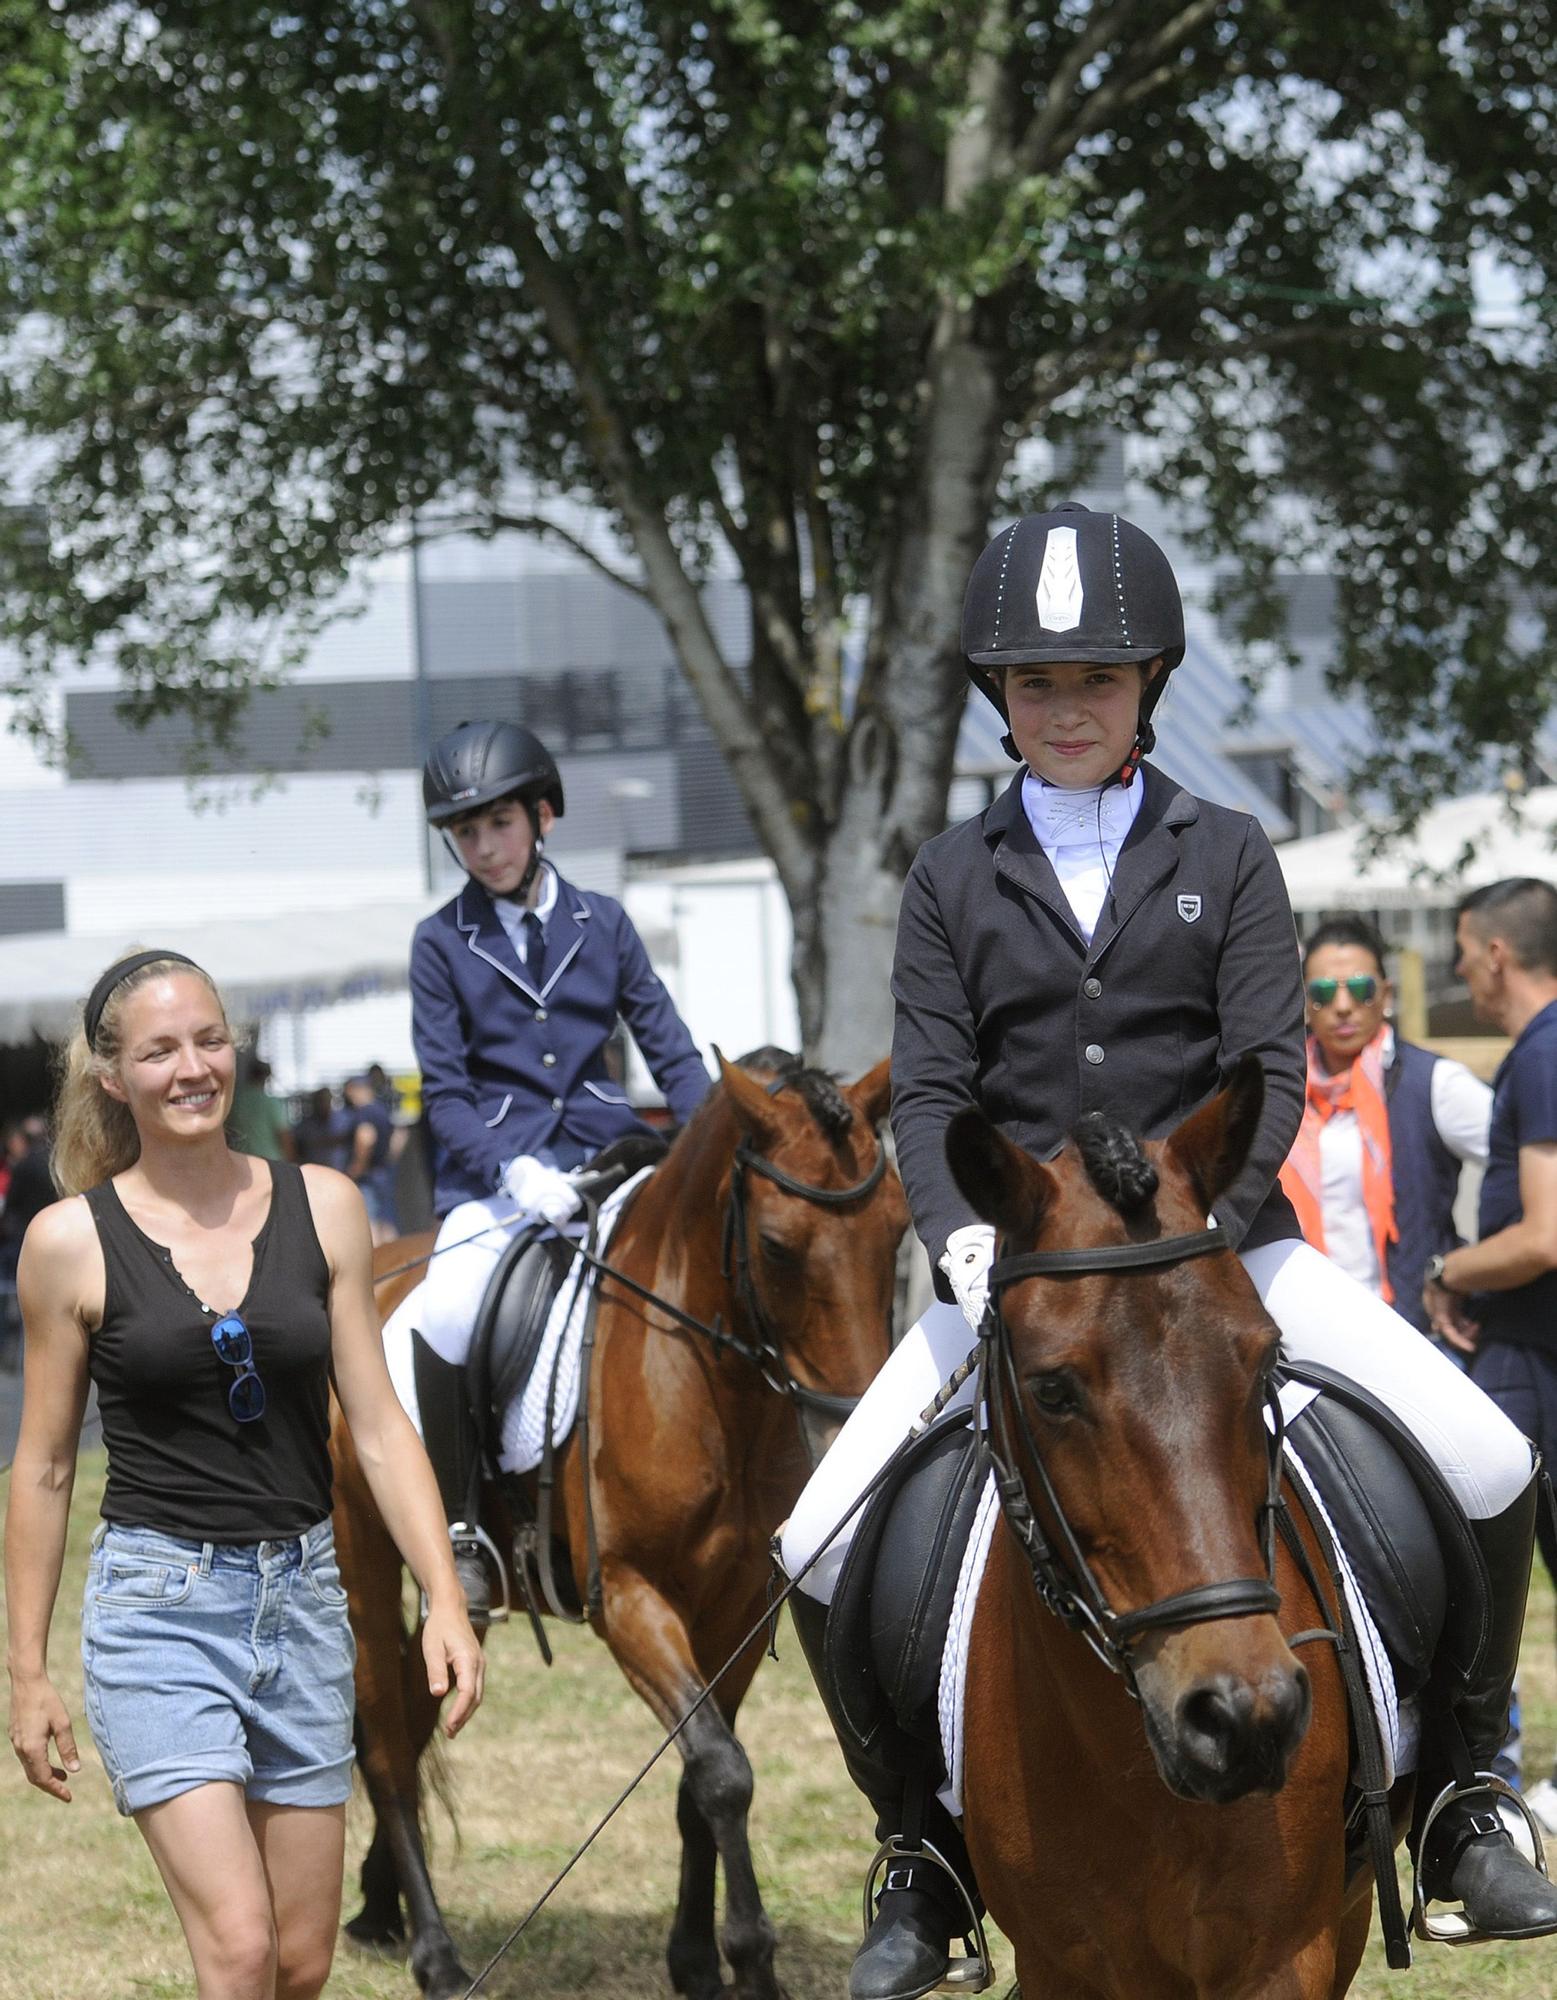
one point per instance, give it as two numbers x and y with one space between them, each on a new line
541 1190
966 1260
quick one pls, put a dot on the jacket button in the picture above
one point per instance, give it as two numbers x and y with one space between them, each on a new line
549 1060
540 1013
1093 1053
1092 988
556 1104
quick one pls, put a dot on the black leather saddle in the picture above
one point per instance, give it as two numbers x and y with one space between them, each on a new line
524 1286
1415 1561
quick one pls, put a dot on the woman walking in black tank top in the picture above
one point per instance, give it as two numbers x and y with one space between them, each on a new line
212 1298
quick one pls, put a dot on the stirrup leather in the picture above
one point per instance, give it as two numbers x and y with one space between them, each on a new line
472 1531
974 1971
1452 1926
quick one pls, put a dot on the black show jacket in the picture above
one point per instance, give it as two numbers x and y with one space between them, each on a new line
1000 1001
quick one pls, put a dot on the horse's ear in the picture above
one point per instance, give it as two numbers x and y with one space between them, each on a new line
872 1095
757 1111
1003 1184
1212 1144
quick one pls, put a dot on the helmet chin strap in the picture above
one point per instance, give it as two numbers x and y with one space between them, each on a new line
537 852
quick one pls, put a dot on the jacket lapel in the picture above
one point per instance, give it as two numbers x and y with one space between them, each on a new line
1149 856
484 935
1018 856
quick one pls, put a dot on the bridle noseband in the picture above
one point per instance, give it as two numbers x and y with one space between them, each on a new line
1064 1579
736 1263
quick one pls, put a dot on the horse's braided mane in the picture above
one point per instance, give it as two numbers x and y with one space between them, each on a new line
1115 1164
823 1098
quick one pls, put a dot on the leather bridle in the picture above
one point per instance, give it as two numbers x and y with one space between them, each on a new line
1064 1579
768 1353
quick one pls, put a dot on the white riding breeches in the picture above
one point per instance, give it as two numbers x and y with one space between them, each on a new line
1323 1315
471 1239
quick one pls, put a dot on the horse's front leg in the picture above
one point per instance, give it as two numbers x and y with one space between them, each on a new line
656 1652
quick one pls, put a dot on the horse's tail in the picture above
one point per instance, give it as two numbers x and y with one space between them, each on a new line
436 1781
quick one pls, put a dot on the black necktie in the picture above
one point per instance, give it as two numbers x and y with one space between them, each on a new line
535 949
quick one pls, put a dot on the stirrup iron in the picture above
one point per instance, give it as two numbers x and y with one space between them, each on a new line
1453 1927
974 1972
472 1531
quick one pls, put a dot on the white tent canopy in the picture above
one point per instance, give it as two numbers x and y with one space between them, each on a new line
288 964
1329 872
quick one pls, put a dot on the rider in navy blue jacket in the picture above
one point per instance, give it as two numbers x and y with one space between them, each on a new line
516 987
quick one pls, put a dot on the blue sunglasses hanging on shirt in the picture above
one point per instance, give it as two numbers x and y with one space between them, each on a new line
246 1393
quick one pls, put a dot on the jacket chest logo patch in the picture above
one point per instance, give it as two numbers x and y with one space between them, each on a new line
1189 908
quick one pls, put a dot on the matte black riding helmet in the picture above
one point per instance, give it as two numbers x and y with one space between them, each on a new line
1072 585
481 762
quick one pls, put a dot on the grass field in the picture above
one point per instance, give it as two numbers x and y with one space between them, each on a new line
83 1917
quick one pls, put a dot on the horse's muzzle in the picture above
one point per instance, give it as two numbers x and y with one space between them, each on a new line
1228 1736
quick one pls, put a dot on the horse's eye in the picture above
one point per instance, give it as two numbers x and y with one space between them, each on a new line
776 1250
1055 1394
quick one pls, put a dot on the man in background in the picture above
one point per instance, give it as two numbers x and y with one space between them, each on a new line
258 1122
371 1160
1498 1295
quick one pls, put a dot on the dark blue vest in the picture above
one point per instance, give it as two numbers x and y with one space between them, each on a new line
1427 1177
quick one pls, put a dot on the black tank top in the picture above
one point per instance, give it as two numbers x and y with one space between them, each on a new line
178 1460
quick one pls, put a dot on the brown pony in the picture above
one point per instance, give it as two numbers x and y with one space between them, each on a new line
696 1457
1187 1844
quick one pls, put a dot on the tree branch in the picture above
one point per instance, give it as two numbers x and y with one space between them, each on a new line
1136 74
729 714
1034 146
537 524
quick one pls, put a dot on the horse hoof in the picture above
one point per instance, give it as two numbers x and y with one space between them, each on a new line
376 1933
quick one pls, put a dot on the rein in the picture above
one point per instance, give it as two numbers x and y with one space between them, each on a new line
735 1262
1065 1581
766 1354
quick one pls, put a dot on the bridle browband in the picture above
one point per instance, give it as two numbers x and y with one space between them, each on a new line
735 1261
1063 1577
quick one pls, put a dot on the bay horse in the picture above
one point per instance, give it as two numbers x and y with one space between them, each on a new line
1158 1811
775 1216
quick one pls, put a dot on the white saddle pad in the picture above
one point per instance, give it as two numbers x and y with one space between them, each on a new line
524 1421
1397 1722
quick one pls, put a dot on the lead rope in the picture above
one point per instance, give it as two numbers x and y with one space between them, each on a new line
769 1614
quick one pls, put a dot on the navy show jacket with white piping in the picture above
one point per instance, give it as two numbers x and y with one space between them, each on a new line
508 1068
1000 1002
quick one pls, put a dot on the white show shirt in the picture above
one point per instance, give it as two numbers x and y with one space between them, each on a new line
1082 833
511 915
1462 1111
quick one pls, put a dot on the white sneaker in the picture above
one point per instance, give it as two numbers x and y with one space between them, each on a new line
1542 1801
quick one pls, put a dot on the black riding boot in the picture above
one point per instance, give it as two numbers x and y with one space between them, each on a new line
1470 1857
907 1950
449 1433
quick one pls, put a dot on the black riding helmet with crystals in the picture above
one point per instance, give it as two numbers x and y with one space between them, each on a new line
479 763
1073 585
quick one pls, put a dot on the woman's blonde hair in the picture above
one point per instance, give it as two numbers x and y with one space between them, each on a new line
94 1134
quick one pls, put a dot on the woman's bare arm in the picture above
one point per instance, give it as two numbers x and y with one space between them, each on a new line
392 1455
59 1288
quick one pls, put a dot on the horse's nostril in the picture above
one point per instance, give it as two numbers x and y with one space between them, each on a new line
1215 1713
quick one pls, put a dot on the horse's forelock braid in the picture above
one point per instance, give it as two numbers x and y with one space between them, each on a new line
817 1087
1115 1164
828 1105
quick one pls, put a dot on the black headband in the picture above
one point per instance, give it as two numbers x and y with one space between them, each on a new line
115 977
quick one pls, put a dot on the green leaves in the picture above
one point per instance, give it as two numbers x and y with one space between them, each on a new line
272 276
